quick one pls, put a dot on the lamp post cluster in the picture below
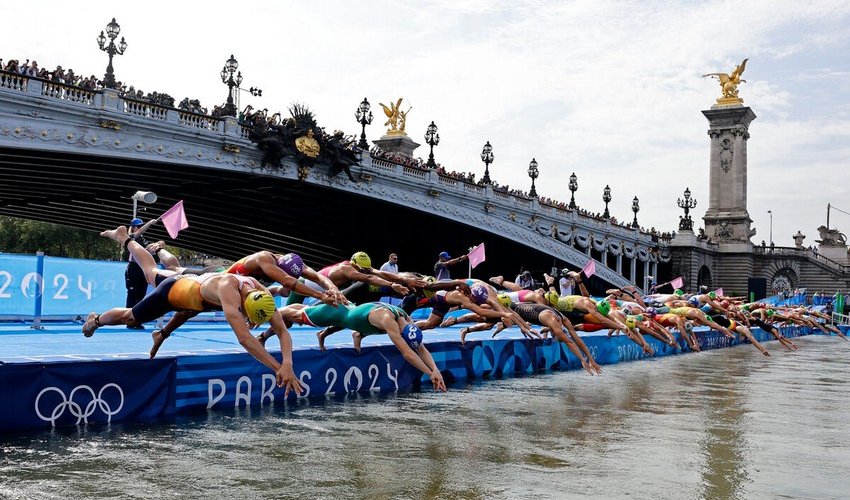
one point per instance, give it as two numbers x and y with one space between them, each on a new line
364 117
112 31
606 197
573 189
686 223
487 158
432 138
233 83
635 209
533 173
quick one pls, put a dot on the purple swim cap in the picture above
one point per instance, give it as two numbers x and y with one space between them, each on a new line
651 312
480 294
291 264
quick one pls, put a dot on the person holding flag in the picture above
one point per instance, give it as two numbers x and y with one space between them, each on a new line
441 268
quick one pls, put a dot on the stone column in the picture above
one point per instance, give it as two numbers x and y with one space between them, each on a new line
633 273
620 264
727 221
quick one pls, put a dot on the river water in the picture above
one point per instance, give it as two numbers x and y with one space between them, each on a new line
721 424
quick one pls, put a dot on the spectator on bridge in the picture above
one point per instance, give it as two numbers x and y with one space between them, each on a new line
441 268
391 265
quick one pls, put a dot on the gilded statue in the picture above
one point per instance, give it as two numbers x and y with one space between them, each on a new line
307 145
729 84
396 118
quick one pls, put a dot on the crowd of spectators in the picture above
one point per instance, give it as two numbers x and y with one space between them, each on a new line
69 77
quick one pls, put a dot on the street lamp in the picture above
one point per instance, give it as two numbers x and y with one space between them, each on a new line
487 158
635 209
770 213
606 197
573 189
144 196
364 117
533 173
112 31
686 223
432 138
230 67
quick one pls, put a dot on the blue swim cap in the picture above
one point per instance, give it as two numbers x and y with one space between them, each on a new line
480 294
291 264
136 222
694 301
412 335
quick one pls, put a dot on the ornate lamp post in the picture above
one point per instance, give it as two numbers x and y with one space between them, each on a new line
230 67
686 223
533 173
364 117
573 189
606 197
112 31
635 209
432 138
770 213
487 158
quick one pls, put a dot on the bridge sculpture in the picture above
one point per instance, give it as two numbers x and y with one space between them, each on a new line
38 118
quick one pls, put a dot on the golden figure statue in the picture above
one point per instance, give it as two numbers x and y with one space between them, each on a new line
307 145
396 118
729 84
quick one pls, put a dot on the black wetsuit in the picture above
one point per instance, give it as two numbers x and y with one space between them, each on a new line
531 312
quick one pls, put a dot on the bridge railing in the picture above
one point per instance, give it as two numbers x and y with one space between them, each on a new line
78 96
801 252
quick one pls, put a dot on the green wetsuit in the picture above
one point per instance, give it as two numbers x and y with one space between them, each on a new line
351 317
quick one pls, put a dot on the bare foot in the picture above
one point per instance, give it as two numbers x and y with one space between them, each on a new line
450 321
263 337
497 280
91 324
357 340
463 332
118 234
321 336
549 280
158 338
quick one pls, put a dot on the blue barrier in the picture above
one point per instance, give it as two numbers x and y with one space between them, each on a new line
53 287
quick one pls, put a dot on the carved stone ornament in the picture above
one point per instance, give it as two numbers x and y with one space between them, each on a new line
726 154
722 231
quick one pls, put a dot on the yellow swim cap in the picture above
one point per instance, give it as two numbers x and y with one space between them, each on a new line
259 307
361 259
552 297
630 322
504 300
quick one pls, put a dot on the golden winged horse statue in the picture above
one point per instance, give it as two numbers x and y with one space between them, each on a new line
396 118
729 83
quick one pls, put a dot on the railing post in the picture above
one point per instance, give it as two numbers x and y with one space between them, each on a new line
39 280
34 86
488 192
110 100
231 127
172 116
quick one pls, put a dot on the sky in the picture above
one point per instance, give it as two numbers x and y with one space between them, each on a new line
609 90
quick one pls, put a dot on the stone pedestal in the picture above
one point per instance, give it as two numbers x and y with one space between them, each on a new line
684 238
727 221
400 144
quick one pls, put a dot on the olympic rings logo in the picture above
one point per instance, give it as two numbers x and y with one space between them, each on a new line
76 409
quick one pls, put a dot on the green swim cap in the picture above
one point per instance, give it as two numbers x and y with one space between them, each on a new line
770 312
679 292
712 295
603 307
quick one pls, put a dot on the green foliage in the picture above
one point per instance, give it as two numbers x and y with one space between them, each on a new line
28 237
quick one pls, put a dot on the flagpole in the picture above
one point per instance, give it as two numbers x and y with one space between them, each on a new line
469 263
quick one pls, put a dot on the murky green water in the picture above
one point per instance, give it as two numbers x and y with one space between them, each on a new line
722 424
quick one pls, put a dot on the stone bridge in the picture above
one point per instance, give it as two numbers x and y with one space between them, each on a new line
74 157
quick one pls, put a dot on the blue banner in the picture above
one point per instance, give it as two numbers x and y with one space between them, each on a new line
76 287
59 394
20 285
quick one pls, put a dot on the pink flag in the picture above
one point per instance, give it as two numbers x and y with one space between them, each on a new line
677 283
590 268
174 219
476 255
719 292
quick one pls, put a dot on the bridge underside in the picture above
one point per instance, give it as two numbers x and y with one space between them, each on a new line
232 214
